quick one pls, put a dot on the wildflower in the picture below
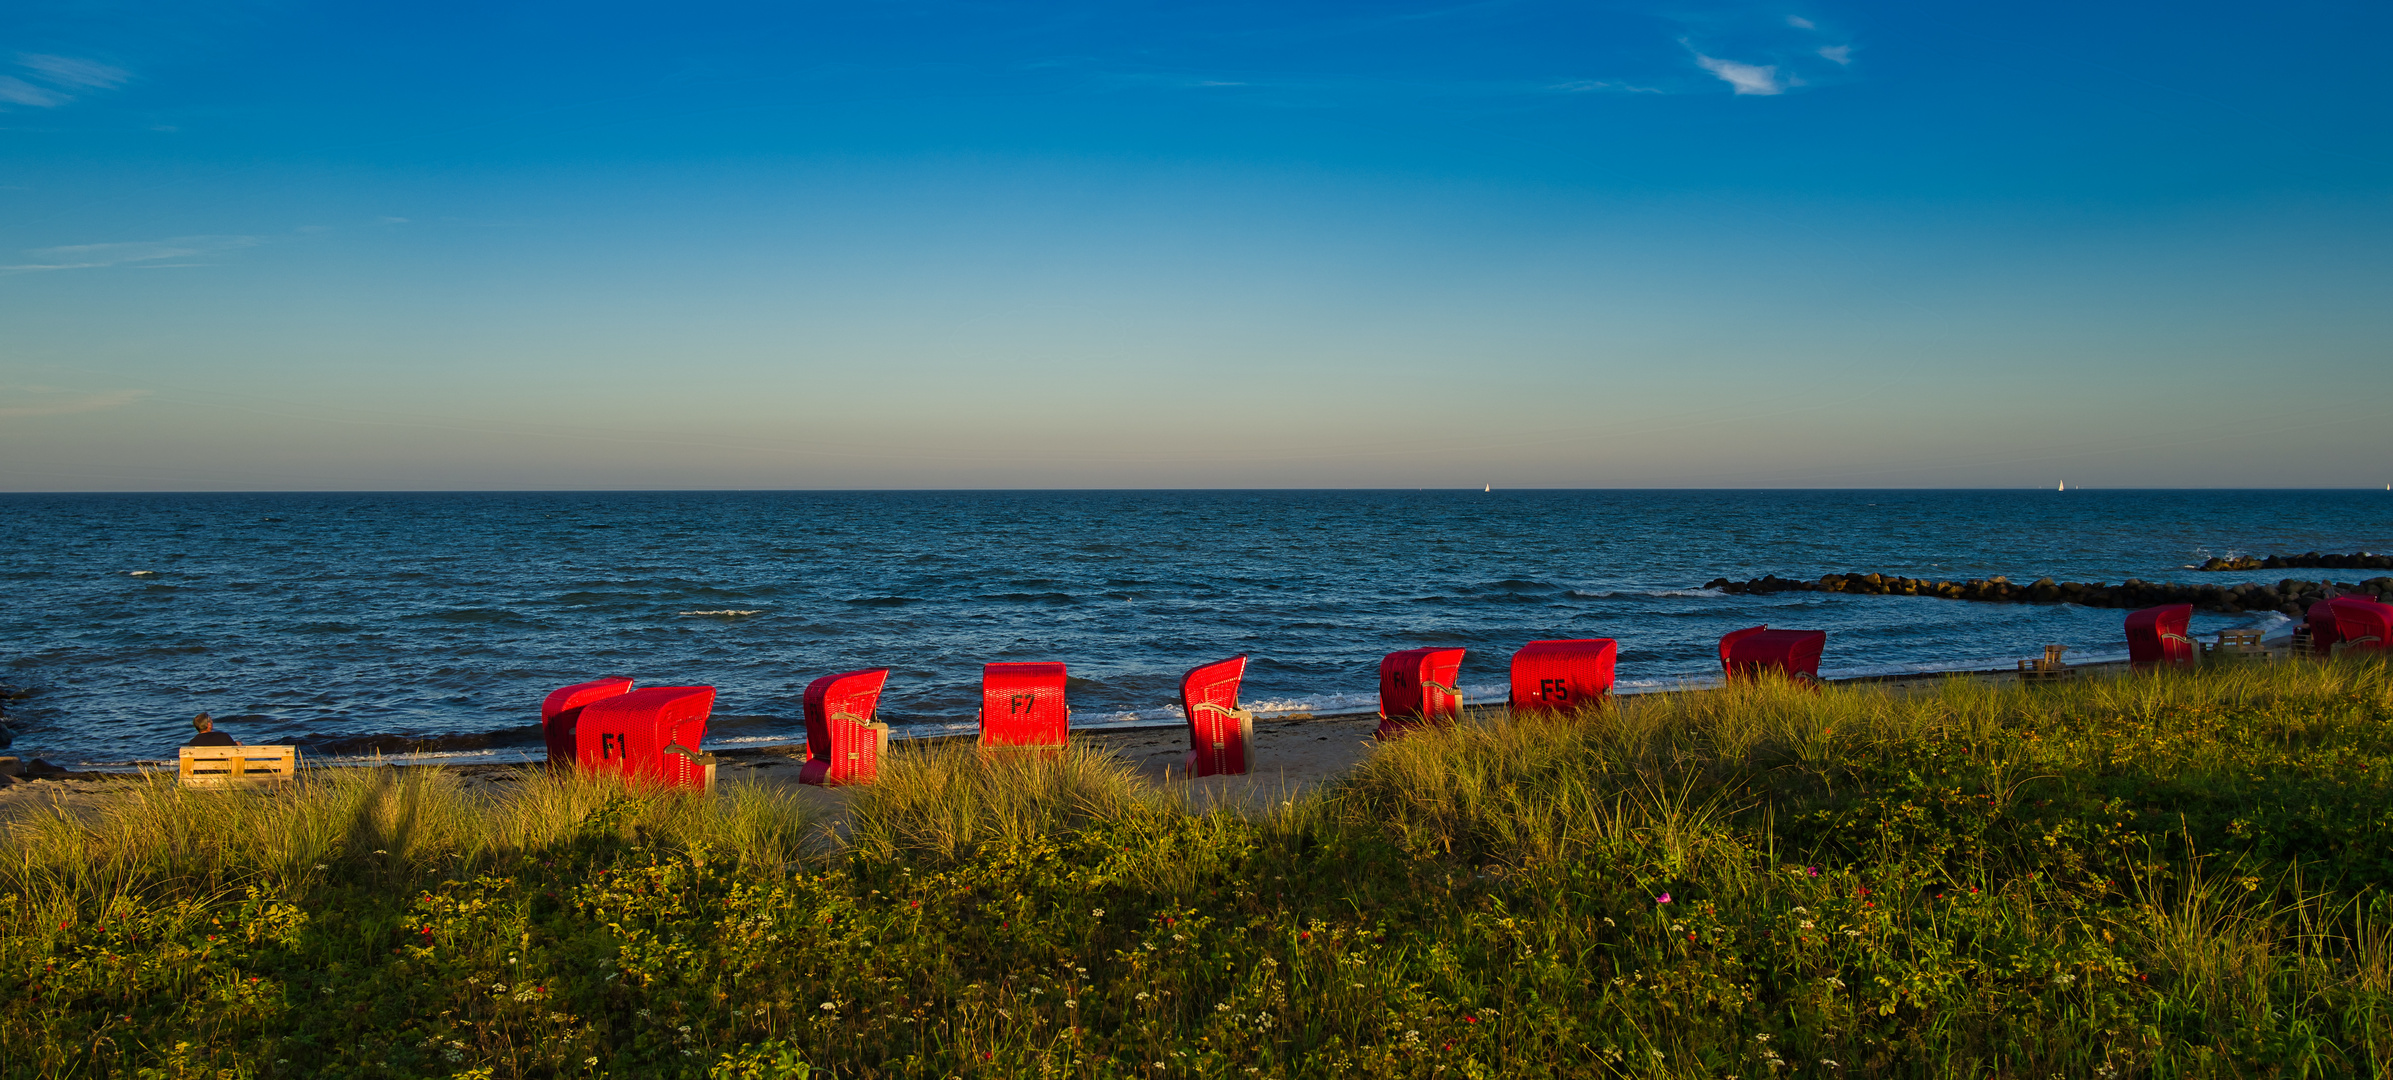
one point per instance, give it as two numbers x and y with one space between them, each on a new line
1662 899
1142 996
1763 1038
379 851
1269 962
1223 1007
319 866
593 1060
1178 937
1470 1019
1097 914
1071 1004
1814 872
1807 924
1830 1064
830 1006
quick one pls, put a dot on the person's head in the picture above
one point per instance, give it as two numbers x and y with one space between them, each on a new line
203 722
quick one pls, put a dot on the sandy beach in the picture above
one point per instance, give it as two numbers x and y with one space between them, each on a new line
1294 755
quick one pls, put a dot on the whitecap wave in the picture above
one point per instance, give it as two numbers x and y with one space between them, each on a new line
724 613
141 573
1608 594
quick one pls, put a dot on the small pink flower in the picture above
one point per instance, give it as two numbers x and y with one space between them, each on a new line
1662 899
1815 871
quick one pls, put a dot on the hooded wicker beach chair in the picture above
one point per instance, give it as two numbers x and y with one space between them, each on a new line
2156 635
1562 676
2362 623
1417 686
563 710
1022 706
844 744
1221 736
1755 649
650 736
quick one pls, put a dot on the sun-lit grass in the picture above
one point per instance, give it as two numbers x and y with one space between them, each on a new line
2174 874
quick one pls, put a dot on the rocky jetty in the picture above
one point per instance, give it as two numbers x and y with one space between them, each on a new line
2358 560
2290 597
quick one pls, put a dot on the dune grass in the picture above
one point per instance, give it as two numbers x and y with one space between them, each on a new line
2176 874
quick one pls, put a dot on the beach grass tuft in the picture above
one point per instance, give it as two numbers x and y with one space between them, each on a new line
2167 874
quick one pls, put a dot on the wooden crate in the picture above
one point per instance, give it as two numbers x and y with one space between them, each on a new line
238 766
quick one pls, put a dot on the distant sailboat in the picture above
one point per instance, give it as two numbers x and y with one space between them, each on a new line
2064 486
1487 487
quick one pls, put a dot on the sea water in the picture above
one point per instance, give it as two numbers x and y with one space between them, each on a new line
349 623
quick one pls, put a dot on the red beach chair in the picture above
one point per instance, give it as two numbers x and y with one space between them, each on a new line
843 743
1221 736
1416 687
2363 624
1562 676
1795 653
1023 705
563 709
2325 630
2156 635
651 736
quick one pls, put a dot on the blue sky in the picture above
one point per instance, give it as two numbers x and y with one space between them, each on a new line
282 246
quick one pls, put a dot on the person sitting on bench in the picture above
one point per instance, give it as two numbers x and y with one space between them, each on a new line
208 735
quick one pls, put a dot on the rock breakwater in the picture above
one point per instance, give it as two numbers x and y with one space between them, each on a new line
2358 560
2289 596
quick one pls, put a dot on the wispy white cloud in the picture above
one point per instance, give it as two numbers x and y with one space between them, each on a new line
22 401
73 71
17 91
1600 86
1747 78
1800 23
53 77
1842 54
133 253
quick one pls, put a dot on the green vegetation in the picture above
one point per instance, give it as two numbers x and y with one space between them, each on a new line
2158 875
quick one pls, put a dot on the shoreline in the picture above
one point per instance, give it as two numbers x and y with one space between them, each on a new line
1294 754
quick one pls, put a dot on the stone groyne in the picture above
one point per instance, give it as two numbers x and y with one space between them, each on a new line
2289 597
2358 560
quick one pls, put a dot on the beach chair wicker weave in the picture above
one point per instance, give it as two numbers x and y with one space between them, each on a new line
1022 705
844 744
2156 635
1562 676
1417 686
563 709
650 736
1753 650
1221 736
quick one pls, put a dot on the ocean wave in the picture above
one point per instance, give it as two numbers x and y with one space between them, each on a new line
725 612
141 573
1609 594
